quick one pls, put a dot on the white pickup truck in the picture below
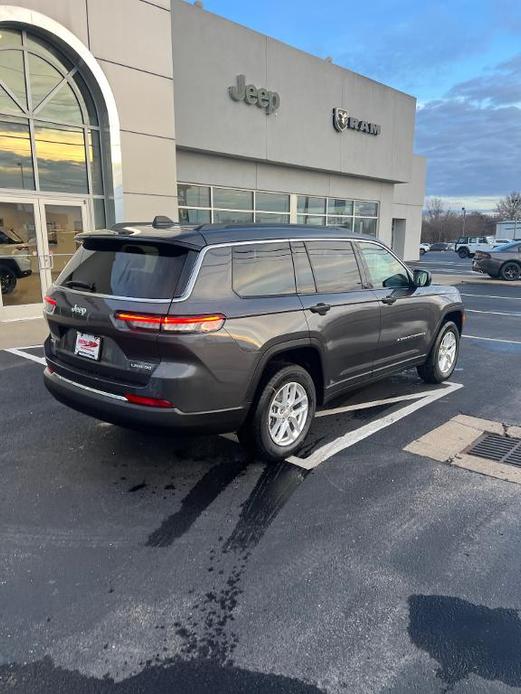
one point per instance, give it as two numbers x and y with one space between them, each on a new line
466 246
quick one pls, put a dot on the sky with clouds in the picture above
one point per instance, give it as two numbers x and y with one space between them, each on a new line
461 59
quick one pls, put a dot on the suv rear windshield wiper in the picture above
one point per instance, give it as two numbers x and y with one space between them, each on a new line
80 285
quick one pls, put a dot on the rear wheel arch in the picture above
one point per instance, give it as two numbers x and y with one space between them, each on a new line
307 356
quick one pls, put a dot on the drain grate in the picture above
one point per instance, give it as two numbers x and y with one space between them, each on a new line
500 449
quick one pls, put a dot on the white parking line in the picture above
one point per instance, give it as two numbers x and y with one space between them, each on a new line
347 440
26 355
493 296
493 313
493 339
372 403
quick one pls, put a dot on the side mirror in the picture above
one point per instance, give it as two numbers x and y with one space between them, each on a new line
422 278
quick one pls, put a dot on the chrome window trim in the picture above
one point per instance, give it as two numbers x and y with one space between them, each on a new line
197 266
228 244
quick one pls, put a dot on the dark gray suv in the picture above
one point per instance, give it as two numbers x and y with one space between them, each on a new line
244 328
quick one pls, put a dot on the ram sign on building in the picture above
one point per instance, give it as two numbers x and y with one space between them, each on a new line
114 111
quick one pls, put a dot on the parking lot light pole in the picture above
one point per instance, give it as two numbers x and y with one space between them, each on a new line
464 215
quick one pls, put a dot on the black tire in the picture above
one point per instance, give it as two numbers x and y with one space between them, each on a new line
255 434
422 251
463 252
510 271
430 372
7 280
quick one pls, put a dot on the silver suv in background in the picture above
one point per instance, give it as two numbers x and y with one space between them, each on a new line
15 262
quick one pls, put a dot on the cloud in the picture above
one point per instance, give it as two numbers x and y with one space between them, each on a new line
501 87
472 203
472 137
418 42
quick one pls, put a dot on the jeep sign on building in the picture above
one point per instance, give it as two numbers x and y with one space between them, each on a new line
128 109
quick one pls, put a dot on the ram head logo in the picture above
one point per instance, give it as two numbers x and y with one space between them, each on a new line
340 119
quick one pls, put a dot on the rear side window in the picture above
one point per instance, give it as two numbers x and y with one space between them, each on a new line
303 272
334 266
134 270
263 269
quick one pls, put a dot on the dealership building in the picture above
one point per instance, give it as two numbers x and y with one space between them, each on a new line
121 110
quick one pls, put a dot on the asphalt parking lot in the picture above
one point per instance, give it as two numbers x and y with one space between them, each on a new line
138 563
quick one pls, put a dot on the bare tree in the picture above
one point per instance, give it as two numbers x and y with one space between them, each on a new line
434 209
439 224
509 207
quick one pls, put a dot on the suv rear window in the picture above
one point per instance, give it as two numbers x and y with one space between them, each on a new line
131 269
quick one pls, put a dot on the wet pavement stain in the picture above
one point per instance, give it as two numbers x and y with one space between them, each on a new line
467 639
174 675
275 486
208 633
204 492
137 487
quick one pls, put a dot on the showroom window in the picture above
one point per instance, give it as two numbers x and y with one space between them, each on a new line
203 204
49 125
200 204
354 215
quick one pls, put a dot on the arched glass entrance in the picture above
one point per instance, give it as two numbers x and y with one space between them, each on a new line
53 163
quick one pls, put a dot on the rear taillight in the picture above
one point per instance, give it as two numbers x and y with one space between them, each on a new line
147 402
482 254
49 305
172 324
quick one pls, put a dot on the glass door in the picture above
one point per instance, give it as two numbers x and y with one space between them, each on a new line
36 242
22 257
62 222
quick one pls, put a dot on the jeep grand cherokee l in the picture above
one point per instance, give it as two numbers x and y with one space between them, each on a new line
243 328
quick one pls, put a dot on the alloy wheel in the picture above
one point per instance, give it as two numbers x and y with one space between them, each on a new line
512 271
447 352
288 413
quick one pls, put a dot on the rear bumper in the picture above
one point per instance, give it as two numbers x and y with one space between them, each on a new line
113 408
487 266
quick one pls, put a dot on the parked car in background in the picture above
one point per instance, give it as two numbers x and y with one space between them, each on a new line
15 262
502 242
424 247
503 262
440 246
241 328
466 246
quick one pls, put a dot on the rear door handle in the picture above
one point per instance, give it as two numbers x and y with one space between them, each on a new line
388 300
321 308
